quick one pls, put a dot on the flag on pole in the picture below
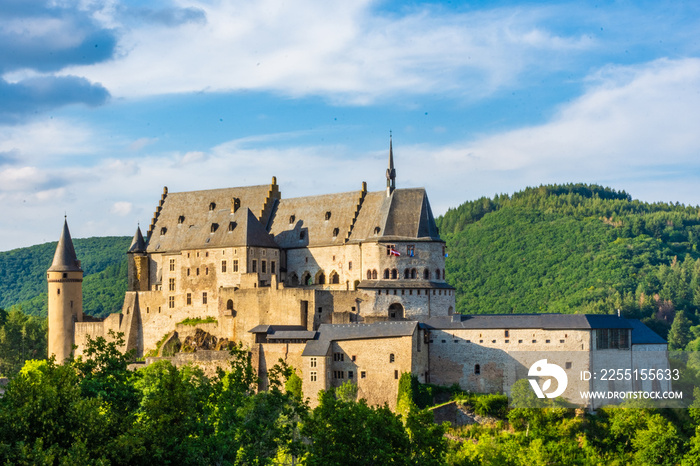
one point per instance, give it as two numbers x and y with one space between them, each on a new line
394 252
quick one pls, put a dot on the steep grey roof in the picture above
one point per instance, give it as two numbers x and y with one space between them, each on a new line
65 260
403 215
188 220
403 284
337 332
137 243
220 229
308 215
539 321
643 335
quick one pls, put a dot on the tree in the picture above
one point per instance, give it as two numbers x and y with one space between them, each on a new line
679 335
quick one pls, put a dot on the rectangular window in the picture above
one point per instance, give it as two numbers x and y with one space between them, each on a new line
396 374
172 265
189 299
350 265
223 266
273 268
188 272
171 302
263 266
410 250
363 374
171 284
313 376
568 365
354 358
338 356
204 297
254 266
312 362
507 334
320 310
350 374
235 265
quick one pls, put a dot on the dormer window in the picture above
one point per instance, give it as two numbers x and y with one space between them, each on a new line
377 230
335 232
231 226
163 231
328 215
181 219
292 218
212 206
214 227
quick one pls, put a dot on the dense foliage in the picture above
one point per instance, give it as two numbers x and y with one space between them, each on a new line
103 260
22 337
96 411
575 249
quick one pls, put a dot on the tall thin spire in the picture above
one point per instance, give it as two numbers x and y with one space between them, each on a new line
390 172
65 260
137 243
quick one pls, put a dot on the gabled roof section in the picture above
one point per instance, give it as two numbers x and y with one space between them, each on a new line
643 335
211 218
137 243
535 321
313 220
404 214
337 332
65 260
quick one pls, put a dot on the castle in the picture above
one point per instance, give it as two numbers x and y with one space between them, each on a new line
348 286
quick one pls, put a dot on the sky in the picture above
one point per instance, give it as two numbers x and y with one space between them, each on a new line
102 103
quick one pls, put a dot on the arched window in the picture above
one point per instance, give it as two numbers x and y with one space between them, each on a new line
477 369
321 278
377 230
369 274
328 215
374 274
406 273
394 274
413 273
386 273
334 278
426 274
437 274
294 279
212 206
306 279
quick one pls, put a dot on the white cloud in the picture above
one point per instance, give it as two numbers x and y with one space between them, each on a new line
140 143
121 208
347 51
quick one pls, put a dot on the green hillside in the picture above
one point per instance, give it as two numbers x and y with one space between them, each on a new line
574 249
23 275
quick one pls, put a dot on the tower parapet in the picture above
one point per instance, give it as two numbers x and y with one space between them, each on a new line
65 280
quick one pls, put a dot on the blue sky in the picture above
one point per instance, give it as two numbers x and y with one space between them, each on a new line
102 103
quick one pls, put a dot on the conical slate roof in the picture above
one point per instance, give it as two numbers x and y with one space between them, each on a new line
65 259
137 244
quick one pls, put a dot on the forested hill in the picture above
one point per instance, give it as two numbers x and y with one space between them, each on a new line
23 275
574 249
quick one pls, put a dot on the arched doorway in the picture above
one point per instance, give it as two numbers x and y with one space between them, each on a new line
306 279
229 308
396 312
321 278
334 278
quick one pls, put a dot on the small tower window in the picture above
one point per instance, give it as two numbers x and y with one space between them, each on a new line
328 215
335 232
212 206
292 218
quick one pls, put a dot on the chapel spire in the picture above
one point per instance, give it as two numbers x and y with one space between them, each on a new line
390 172
137 243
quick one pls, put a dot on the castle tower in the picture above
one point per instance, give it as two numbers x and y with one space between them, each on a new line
390 172
65 279
137 264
